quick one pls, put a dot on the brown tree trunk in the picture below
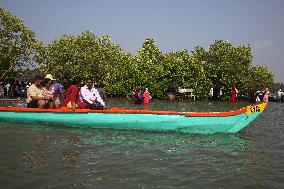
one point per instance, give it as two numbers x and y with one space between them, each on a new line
9 69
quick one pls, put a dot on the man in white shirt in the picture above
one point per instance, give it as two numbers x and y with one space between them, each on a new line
280 94
91 96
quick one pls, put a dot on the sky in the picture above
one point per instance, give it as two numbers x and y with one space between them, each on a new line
173 24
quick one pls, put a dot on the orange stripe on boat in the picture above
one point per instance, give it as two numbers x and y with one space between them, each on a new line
125 111
216 114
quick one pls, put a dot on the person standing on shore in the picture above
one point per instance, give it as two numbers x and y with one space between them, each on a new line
265 95
2 92
280 94
211 92
257 99
147 97
172 90
138 96
234 94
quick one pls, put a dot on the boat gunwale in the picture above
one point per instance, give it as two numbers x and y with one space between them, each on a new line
125 111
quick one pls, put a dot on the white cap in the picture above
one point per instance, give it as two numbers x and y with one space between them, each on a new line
49 76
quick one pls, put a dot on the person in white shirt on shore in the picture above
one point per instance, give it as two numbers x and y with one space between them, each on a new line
90 95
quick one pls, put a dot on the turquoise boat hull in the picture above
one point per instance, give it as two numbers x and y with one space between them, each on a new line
190 122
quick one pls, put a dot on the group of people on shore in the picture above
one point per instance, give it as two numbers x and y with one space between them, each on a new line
254 98
14 89
48 93
260 96
172 92
233 94
141 97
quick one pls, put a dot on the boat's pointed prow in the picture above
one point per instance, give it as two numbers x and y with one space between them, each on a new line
256 108
247 117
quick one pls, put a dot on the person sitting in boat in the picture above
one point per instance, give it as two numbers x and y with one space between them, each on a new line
47 86
72 99
57 90
36 95
91 97
102 91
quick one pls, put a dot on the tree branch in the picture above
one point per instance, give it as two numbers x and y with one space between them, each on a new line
9 69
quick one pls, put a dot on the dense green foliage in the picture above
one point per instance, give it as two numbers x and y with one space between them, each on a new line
89 56
17 44
227 66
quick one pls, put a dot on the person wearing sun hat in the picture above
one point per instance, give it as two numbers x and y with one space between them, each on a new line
49 76
57 90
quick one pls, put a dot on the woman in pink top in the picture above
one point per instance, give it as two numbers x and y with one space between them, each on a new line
265 95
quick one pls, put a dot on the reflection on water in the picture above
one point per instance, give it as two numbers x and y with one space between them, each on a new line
42 156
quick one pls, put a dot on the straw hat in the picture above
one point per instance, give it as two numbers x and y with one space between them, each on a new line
49 76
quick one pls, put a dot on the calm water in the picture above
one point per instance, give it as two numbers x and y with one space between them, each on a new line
42 156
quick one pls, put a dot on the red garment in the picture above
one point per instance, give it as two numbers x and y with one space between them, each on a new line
146 97
72 94
233 96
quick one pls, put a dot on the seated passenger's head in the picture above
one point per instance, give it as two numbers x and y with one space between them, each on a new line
89 83
38 81
76 81
47 82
